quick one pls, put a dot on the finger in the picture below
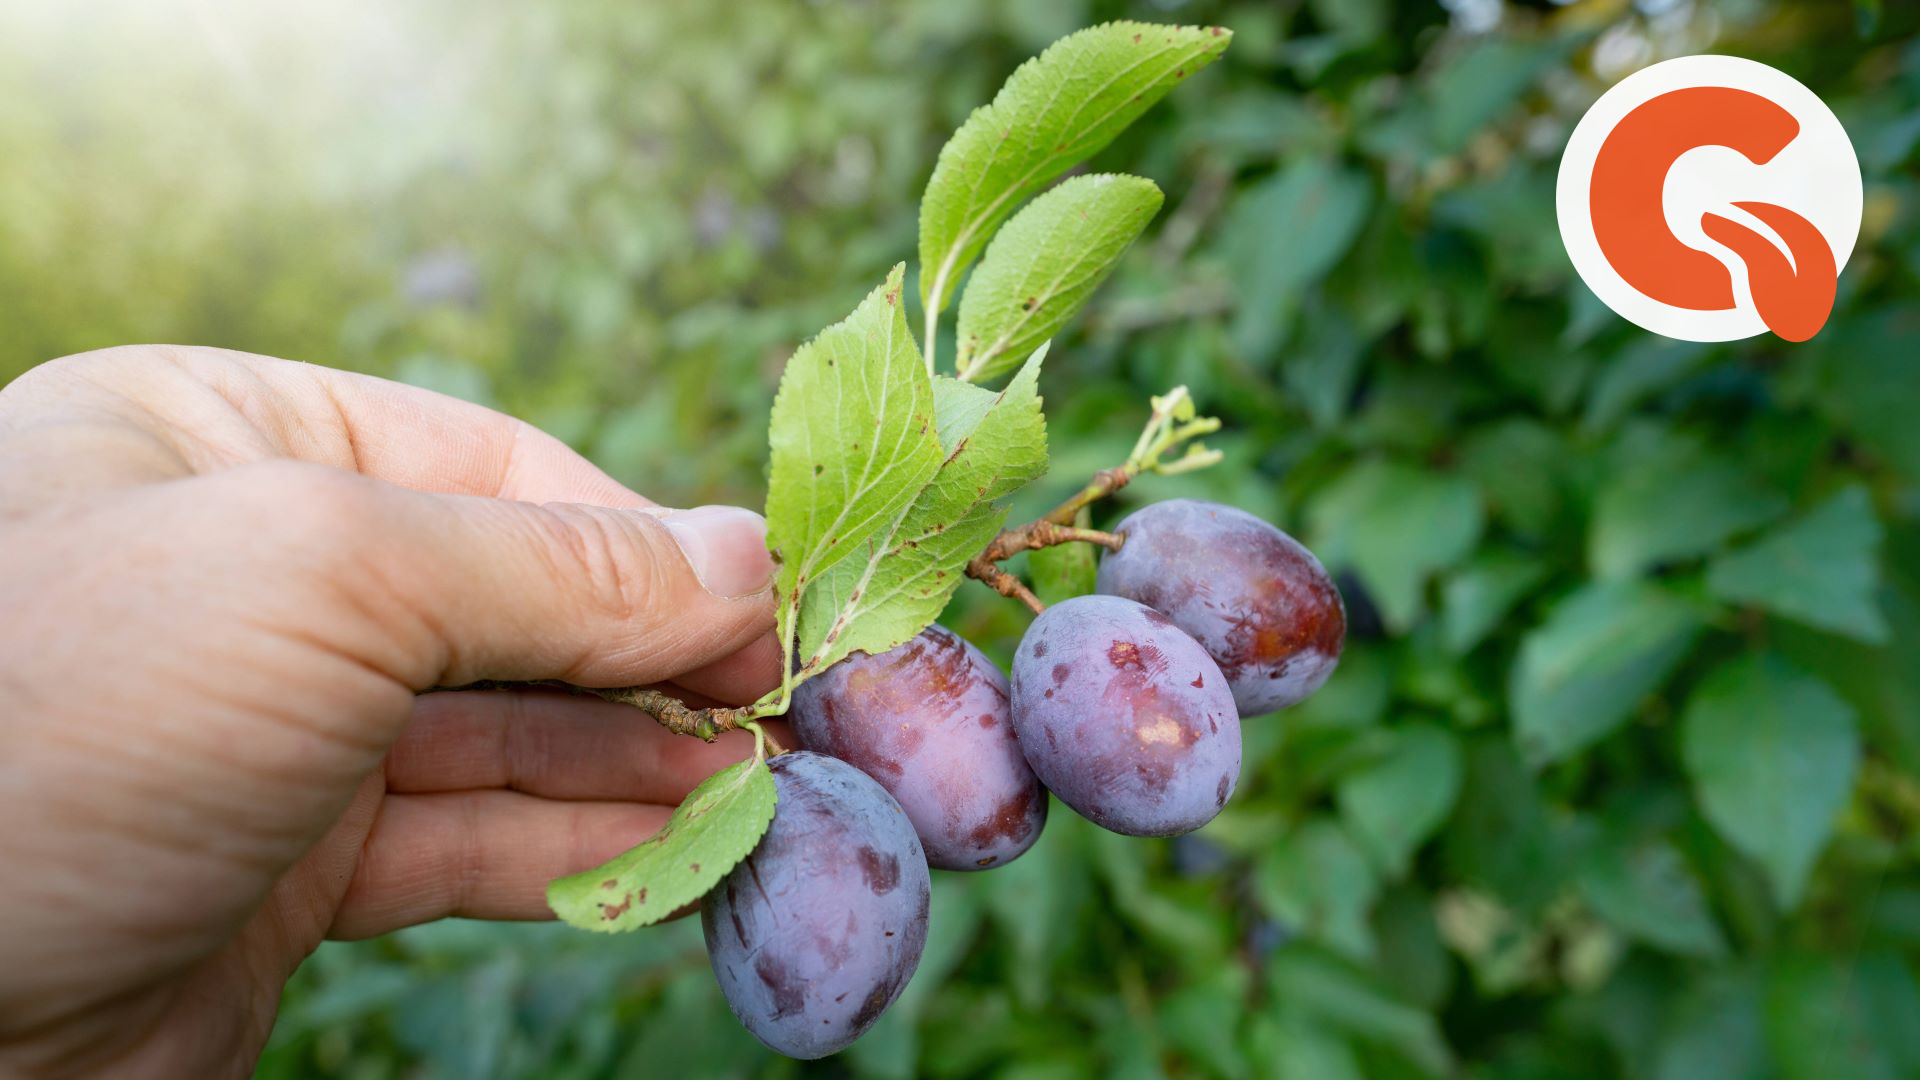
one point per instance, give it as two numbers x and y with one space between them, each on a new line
140 414
480 588
741 678
554 745
479 855
431 442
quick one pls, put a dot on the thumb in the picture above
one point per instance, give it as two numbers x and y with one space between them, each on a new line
496 589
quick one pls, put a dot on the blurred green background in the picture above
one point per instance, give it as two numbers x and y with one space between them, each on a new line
1621 773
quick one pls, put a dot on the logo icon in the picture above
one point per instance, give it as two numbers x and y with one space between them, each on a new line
1710 198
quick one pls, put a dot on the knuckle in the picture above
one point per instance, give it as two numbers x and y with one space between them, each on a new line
325 516
80 368
617 560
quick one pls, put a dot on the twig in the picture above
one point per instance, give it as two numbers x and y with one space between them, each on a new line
675 715
988 573
1172 423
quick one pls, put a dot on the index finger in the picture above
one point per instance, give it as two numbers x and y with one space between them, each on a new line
142 414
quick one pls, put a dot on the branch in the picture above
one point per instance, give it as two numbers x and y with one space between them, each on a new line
1172 423
985 571
674 715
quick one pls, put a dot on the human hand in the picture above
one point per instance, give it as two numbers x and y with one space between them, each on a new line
224 579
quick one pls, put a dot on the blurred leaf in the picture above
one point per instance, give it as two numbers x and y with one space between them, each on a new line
1318 883
1866 381
1484 592
1831 1016
1479 83
463 1023
1772 752
1519 464
1358 523
1637 371
1663 510
1041 268
1394 804
1065 104
1716 1033
718 824
1062 572
1322 369
1882 683
1330 994
691 1023
1290 1047
1283 235
1203 1019
1501 837
1600 652
1410 947
1031 901
1821 569
1647 891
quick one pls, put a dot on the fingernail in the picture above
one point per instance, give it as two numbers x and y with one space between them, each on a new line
725 545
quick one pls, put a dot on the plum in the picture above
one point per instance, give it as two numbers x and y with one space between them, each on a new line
929 721
1262 605
817 931
1125 717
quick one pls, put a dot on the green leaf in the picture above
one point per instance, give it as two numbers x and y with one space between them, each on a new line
1290 1046
1822 570
1042 267
899 579
1599 653
1475 600
1716 1032
1881 682
853 442
1285 234
1772 752
1660 509
1834 1016
1320 883
1478 84
1063 571
1409 946
1501 838
1201 1020
716 826
1647 891
1055 111
1396 802
1361 522
1866 384
1334 995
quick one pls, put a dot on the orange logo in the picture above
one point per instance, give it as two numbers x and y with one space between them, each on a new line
1708 198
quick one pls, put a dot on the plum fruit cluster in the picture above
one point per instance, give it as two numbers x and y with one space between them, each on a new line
1125 704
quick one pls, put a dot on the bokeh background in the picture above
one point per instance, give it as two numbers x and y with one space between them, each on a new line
1621 774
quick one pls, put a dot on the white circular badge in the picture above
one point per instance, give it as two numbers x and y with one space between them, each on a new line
1711 198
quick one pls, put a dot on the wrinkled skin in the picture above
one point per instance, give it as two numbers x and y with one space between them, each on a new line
929 721
1262 605
814 934
1125 717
